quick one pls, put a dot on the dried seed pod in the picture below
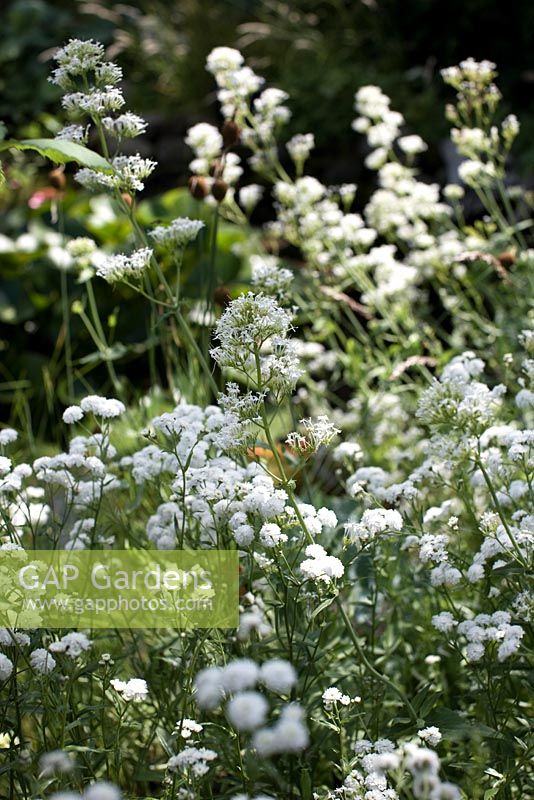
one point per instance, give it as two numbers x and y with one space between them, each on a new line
230 133
198 186
219 189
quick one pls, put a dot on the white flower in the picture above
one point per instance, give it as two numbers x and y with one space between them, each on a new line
251 325
125 126
332 696
327 518
278 675
72 414
96 102
114 268
102 790
473 172
432 735
72 644
474 651
194 758
250 196
271 535
42 661
205 140
300 147
288 735
104 407
222 59
209 689
444 622
412 144
247 711
188 727
268 276
453 191
5 465
319 432
320 566
135 689
6 667
178 234
243 673
128 175
8 436
373 522
56 762
523 399
76 58
370 101
73 133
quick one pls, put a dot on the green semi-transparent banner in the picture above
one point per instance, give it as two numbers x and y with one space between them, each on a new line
119 589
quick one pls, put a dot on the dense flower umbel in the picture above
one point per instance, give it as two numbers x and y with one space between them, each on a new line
253 339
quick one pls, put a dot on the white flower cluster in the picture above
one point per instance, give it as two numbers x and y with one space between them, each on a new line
192 759
406 208
236 82
72 644
115 268
258 120
481 631
382 770
460 401
377 121
56 762
133 690
320 567
251 325
84 473
318 433
300 147
333 696
247 709
102 407
186 728
178 234
373 522
127 175
100 790
268 277
90 83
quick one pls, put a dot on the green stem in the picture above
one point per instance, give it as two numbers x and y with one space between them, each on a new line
66 325
378 675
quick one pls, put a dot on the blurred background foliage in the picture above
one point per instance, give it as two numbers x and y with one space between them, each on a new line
319 52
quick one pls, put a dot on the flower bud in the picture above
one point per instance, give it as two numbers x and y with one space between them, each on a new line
230 133
198 186
219 189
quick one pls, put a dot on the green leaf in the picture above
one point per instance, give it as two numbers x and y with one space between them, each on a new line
59 151
322 606
305 785
454 723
